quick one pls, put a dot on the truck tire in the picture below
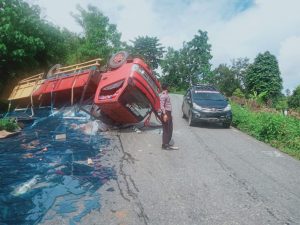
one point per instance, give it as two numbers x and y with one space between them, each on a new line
118 59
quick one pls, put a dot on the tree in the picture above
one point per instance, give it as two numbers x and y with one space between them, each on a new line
225 80
238 93
176 68
25 40
239 68
100 38
149 48
189 65
171 69
264 76
19 43
294 99
198 55
71 42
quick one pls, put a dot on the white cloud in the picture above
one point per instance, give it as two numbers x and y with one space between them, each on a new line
289 56
261 28
136 19
267 25
59 12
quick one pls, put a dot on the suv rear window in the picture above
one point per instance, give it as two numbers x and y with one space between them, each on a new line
205 95
204 87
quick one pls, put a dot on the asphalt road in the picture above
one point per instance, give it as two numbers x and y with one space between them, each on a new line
218 176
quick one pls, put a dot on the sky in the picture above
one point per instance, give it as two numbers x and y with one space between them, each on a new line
236 28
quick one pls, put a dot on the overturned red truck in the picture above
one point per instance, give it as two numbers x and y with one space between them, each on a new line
126 91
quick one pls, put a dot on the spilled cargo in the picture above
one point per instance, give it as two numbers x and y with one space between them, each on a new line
41 174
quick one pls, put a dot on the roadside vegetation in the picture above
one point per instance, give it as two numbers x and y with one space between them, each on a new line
278 130
8 125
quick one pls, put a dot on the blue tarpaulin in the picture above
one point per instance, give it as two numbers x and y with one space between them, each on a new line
46 167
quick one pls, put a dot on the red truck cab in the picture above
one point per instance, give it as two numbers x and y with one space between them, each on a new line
129 93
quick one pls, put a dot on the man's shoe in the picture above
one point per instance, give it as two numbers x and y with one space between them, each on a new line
168 147
165 147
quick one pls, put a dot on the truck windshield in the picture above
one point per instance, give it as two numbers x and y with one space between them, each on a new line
136 102
216 96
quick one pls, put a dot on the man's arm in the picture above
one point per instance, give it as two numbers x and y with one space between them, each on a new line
163 103
163 99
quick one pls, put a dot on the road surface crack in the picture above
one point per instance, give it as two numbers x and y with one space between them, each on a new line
126 185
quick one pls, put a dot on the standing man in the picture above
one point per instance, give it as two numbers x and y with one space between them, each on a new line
167 122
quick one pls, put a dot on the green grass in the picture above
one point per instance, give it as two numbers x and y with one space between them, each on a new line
276 129
8 125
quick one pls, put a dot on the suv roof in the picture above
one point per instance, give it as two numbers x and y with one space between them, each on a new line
204 87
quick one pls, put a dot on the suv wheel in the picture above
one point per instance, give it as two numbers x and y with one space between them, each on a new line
190 119
226 124
183 115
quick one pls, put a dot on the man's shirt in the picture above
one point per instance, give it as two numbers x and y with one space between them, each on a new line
165 102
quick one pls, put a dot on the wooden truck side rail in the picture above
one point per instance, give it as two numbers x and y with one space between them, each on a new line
26 87
55 72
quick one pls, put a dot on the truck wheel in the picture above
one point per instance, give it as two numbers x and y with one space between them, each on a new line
118 59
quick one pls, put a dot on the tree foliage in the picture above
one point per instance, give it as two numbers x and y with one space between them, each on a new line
171 68
238 93
25 39
264 76
294 99
229 78
29 44
239 68
71 42
100 38
149 48
189 65
199 54
19 43
225 80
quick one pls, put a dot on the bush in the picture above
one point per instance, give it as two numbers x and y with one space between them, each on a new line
281 105
6 124
276 129
238 93
294 99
